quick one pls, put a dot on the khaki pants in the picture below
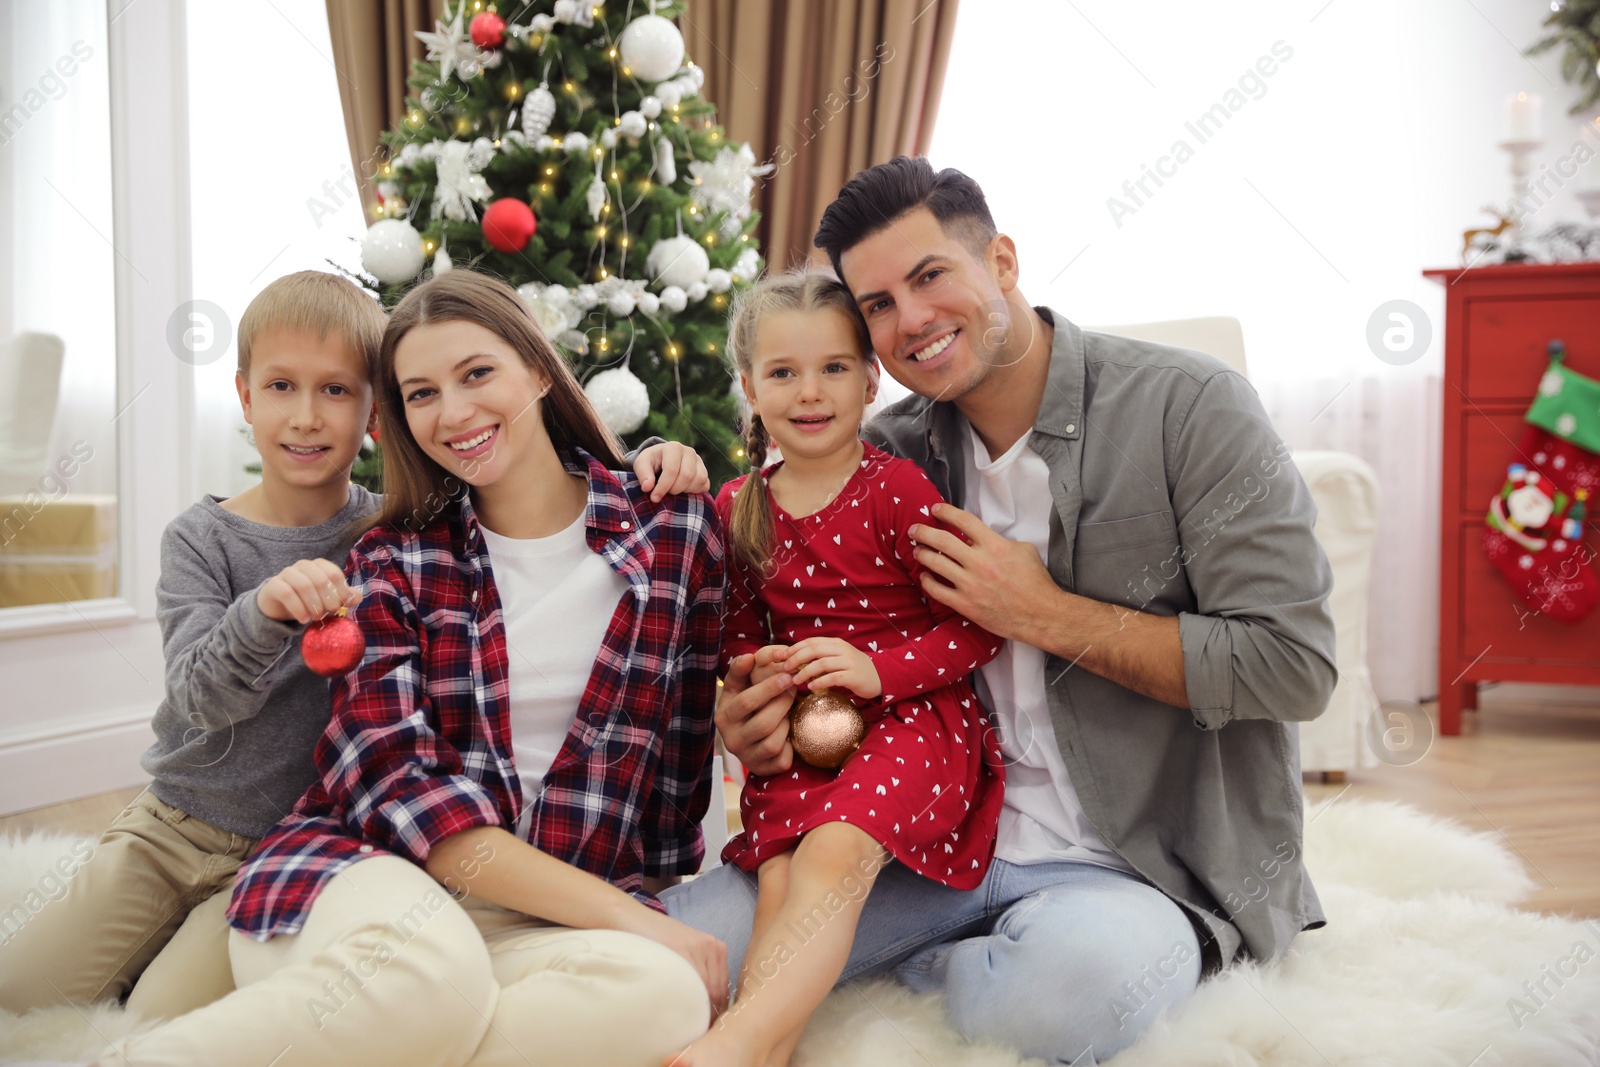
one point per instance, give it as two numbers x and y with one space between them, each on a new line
147 872
390 970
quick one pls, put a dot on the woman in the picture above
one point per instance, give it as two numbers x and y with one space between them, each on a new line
519 762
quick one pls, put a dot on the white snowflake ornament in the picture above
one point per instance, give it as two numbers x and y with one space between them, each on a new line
726 182
452 48
460 184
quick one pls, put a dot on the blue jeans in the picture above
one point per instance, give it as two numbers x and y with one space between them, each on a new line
1069 962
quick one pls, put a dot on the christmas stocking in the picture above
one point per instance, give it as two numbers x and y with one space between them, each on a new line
1535 525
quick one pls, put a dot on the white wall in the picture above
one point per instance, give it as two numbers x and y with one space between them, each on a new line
1367 154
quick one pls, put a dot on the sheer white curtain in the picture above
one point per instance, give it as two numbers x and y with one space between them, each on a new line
55 180
272 187
1295 165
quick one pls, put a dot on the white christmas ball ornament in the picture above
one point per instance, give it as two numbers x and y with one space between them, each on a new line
650 107
747 266
621 304
392 251
608 137
585 296
652 48
649 303
576 143
678 261
668 95
718 280
541 23
620 399
674 299
697 292
566 11
633 124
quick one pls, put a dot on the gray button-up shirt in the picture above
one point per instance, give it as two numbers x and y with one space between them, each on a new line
1174 496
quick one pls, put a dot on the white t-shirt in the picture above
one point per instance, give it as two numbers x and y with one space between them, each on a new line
1041 820
557 598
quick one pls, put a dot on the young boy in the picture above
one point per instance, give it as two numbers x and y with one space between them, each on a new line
240 579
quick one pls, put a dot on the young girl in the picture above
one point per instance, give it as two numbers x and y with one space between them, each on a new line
822 555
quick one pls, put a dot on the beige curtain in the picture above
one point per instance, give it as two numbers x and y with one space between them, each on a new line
374 44
822 90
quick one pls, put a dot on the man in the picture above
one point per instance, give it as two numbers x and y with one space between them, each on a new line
1132 526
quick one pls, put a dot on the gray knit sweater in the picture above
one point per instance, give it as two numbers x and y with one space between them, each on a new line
242 713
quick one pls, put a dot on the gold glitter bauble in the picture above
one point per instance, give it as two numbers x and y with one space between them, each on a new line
826 728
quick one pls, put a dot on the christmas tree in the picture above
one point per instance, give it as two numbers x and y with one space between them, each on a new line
569 151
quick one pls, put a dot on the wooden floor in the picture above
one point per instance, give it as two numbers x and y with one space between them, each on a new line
1529 774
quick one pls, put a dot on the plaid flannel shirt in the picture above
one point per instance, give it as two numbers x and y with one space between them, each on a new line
419 746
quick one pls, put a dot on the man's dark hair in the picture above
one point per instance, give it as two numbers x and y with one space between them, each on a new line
877 196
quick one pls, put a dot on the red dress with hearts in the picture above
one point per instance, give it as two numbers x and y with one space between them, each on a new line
927 782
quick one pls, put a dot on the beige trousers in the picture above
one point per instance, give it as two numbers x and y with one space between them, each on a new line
125 901
390 970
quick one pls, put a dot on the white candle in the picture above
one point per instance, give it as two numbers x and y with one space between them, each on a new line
1522 117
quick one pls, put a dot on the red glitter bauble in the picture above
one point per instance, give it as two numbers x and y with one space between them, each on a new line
488 30
333 646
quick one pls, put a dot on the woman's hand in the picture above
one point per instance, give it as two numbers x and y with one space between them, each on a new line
706 954
671 469
830 663
305 591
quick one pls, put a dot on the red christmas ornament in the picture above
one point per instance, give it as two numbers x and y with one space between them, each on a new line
508 225
488 30
333 646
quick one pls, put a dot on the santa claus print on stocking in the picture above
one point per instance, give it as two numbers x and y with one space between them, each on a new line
1535 524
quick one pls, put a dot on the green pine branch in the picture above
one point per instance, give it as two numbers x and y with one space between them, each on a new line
1575 28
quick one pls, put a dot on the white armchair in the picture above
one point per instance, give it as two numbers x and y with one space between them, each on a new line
30 384
1345 490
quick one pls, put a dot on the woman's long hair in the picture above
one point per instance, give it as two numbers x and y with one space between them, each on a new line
750 522
416 490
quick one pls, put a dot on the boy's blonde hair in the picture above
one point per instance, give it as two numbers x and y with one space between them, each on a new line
807 290
320 303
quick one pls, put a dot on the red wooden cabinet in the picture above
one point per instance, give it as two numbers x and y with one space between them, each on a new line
1498 322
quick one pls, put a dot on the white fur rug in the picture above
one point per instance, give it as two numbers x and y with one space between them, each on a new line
1423 963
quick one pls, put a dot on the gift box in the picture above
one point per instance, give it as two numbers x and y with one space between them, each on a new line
53 551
